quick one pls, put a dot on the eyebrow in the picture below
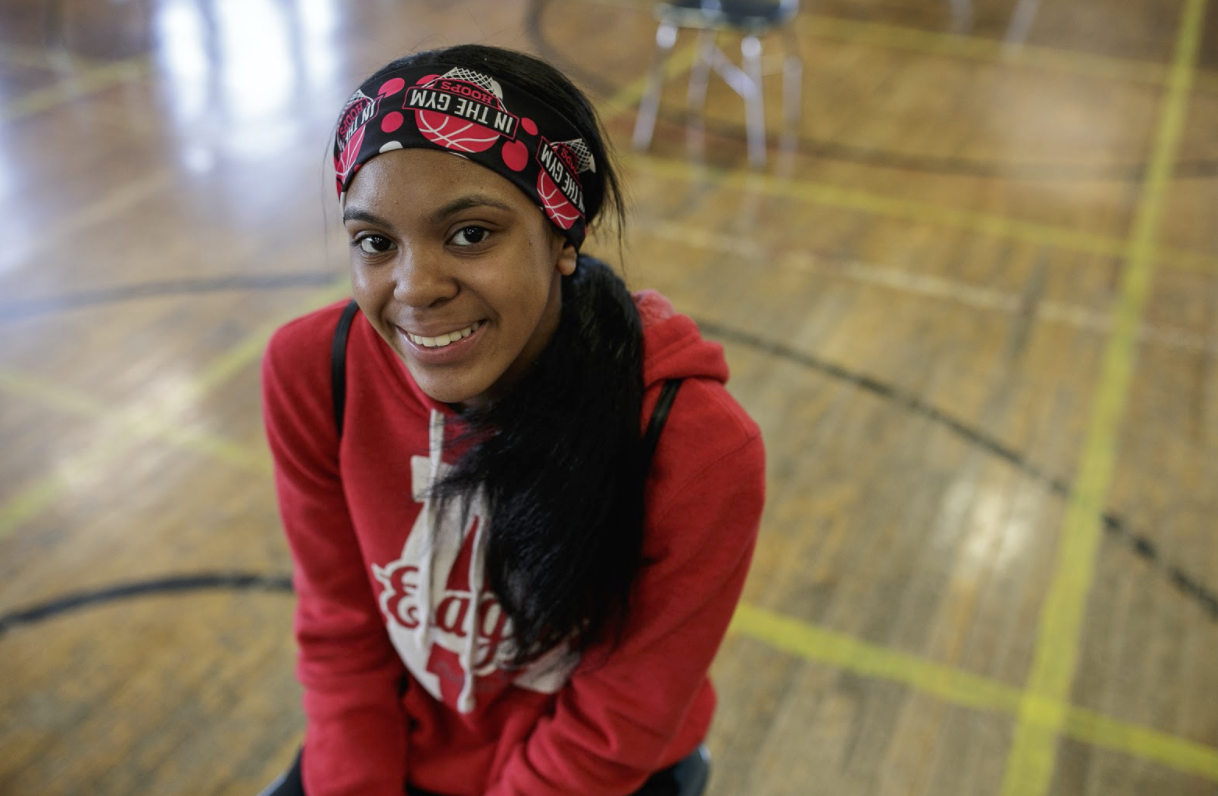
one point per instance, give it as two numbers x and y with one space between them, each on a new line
465 203
355 214
441 213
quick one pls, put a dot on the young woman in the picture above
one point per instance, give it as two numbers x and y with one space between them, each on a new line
503 591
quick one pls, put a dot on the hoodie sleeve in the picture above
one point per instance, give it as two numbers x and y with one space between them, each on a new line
355 732
625 708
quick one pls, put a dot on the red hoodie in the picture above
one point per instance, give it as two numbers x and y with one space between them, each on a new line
390 698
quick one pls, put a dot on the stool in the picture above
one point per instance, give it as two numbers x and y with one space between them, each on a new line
690 773
753 19
693 772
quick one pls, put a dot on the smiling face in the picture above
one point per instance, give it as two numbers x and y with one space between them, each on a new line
456 270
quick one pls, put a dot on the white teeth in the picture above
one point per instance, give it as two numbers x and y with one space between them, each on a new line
444 339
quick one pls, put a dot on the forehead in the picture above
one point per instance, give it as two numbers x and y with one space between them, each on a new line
416 180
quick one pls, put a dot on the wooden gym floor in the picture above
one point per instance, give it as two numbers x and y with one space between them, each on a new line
974 310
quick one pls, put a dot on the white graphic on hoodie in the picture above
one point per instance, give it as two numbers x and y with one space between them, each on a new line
443 620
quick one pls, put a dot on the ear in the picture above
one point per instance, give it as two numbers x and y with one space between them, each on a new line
566 259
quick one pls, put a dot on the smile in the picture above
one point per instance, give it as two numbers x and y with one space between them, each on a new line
444 339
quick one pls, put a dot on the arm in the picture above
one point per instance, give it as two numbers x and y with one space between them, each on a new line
616 718
355 736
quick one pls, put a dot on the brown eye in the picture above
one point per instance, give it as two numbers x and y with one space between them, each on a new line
469 236
374 244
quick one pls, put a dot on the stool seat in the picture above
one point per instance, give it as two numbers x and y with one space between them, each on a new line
691 774
749 16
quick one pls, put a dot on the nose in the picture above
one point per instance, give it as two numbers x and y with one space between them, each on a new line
420 278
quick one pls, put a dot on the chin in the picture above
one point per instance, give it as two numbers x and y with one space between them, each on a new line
444 391
451 398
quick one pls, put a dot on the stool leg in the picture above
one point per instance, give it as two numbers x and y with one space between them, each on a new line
754 107
52 25
644 125
1021 24
699 76
962 16
792 91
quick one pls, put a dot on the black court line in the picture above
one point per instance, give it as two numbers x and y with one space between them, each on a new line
834 150
173 584
22 310
1141 545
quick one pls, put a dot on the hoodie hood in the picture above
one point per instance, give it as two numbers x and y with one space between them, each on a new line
673 348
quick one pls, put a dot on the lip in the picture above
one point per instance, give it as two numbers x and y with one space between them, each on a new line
440 355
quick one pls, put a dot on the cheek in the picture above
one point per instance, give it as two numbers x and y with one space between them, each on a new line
369 283
372 292
537 280
527 298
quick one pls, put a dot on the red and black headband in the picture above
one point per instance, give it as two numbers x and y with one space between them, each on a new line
472 114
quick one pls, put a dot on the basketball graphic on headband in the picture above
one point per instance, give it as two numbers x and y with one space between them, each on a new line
349 136
467 112
558 182
461 110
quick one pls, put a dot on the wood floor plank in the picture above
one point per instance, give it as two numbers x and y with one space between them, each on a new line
914 304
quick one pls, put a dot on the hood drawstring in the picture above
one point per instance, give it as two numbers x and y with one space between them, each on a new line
435 445
466 701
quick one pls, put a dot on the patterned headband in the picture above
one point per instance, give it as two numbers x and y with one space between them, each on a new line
486 120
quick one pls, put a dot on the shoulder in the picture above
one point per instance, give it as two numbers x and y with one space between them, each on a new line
308 333
706 427
296 364
301 347
705 417
706 484
706 487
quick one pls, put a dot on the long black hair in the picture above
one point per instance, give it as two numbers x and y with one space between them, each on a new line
560 456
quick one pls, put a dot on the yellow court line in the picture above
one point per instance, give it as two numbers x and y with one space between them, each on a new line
782 633
42 58
785 634
81 84
38 496
250 348
978 48
953 45
960 687
28 57
114 202
1032 757
137 421
915 283
150 421
627 98
967 690
907 210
